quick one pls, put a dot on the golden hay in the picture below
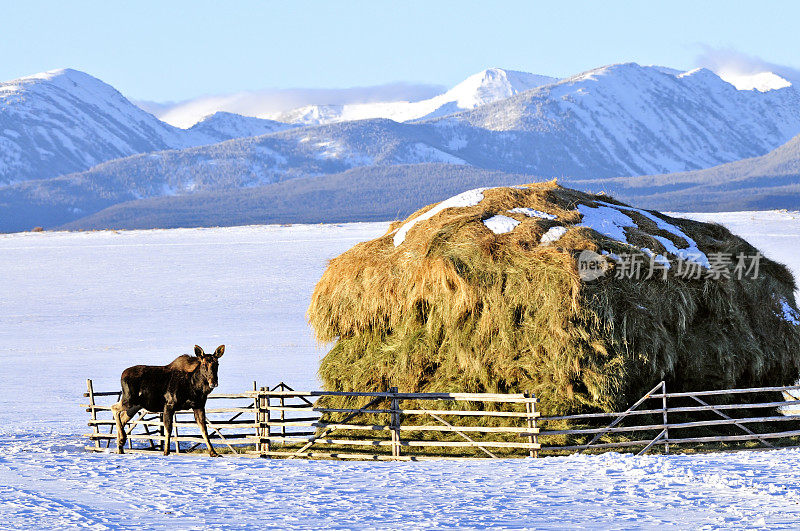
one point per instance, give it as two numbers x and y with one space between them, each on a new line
456 307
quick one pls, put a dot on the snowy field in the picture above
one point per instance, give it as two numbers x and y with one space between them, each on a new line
87 305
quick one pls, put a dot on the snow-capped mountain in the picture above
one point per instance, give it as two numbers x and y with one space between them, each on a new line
64 121
614 121
223 126
490 85
624 119
761 81
619 120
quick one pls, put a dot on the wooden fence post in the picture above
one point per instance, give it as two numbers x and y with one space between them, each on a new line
530 410
283 417
147 432
160 431
535 427
267 418
256 416
93 414
666 423
395 422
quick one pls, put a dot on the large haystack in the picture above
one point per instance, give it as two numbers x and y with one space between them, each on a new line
482 293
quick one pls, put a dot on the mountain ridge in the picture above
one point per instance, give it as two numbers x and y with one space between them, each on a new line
223 126
612 121
61 121
486 86
64 120
621 106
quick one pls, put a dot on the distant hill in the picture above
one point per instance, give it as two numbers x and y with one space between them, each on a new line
771 181
222 126
393 192
224 166
362 194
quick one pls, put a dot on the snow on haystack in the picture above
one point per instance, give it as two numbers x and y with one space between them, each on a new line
465 199
607 219
483 292
532 213
500 224
789 314
552 235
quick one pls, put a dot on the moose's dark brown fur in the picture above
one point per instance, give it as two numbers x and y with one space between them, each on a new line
185 362
183 384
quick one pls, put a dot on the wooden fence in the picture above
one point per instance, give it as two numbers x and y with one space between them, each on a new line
715 420
281 422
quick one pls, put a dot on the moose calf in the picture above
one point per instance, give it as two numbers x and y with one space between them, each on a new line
183 384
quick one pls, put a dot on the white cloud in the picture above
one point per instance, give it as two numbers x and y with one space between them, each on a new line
266 103
744 70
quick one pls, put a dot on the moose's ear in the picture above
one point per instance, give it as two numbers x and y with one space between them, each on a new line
220 351
198 351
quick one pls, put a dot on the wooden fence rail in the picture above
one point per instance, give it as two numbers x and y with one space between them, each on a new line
283 423
755 426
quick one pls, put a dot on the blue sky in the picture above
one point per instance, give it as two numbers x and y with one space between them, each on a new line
179 50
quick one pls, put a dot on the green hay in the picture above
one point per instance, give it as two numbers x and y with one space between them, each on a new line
458 308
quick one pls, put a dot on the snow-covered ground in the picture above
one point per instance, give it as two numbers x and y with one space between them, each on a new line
46 486
87 305
775 232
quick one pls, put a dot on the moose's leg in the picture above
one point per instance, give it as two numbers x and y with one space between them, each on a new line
168 413
122 414
117 410
124 410
200 417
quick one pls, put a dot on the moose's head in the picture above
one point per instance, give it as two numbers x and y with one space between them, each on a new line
209 364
